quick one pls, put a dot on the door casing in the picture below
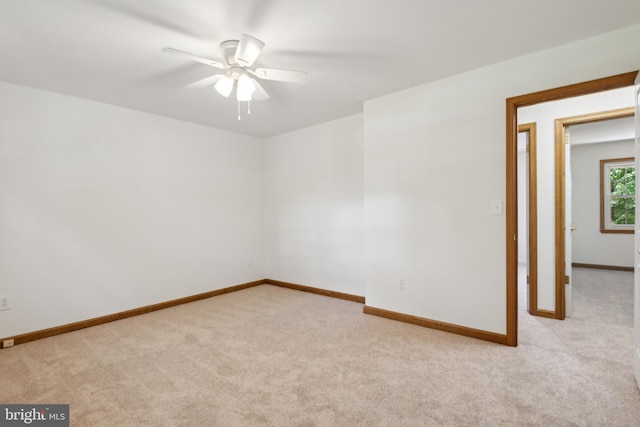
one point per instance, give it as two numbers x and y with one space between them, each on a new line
532 206
511 199
560 171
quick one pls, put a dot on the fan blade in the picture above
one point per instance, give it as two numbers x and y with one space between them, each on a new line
288 76
248 50
196 58
260 94
207 81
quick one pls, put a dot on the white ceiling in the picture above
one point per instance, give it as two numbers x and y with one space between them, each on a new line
353 50
621 129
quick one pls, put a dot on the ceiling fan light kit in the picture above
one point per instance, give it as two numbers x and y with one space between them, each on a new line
224 86
239 56
245 89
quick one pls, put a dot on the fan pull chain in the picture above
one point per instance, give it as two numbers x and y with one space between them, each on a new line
240 109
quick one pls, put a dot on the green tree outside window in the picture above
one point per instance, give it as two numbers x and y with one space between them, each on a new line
618 195
622 195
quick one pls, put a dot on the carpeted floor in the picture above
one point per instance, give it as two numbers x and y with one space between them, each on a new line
278 357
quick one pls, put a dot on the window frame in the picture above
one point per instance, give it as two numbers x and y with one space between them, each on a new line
605 199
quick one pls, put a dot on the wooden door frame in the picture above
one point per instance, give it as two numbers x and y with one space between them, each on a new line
532 206
560 170
511 203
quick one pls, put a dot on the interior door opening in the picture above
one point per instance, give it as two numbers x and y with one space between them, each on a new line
565 227
527 210
512 105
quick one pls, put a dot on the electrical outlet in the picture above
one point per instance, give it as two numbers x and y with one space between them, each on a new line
4 302
7 343
401 283
250 263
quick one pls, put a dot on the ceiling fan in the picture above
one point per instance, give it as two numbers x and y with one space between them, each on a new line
239 57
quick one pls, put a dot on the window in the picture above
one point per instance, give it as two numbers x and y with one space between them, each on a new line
617 195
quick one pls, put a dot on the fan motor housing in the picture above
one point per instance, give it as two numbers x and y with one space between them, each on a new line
228 49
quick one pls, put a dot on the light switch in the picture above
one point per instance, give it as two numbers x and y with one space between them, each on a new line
497 207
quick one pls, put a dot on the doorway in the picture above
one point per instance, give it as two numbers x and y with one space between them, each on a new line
564 260
512 105
528 208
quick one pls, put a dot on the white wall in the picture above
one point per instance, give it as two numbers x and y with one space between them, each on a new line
434 158
590 246
104 209
545 115
314 206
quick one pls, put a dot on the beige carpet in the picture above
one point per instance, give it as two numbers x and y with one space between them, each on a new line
278 357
